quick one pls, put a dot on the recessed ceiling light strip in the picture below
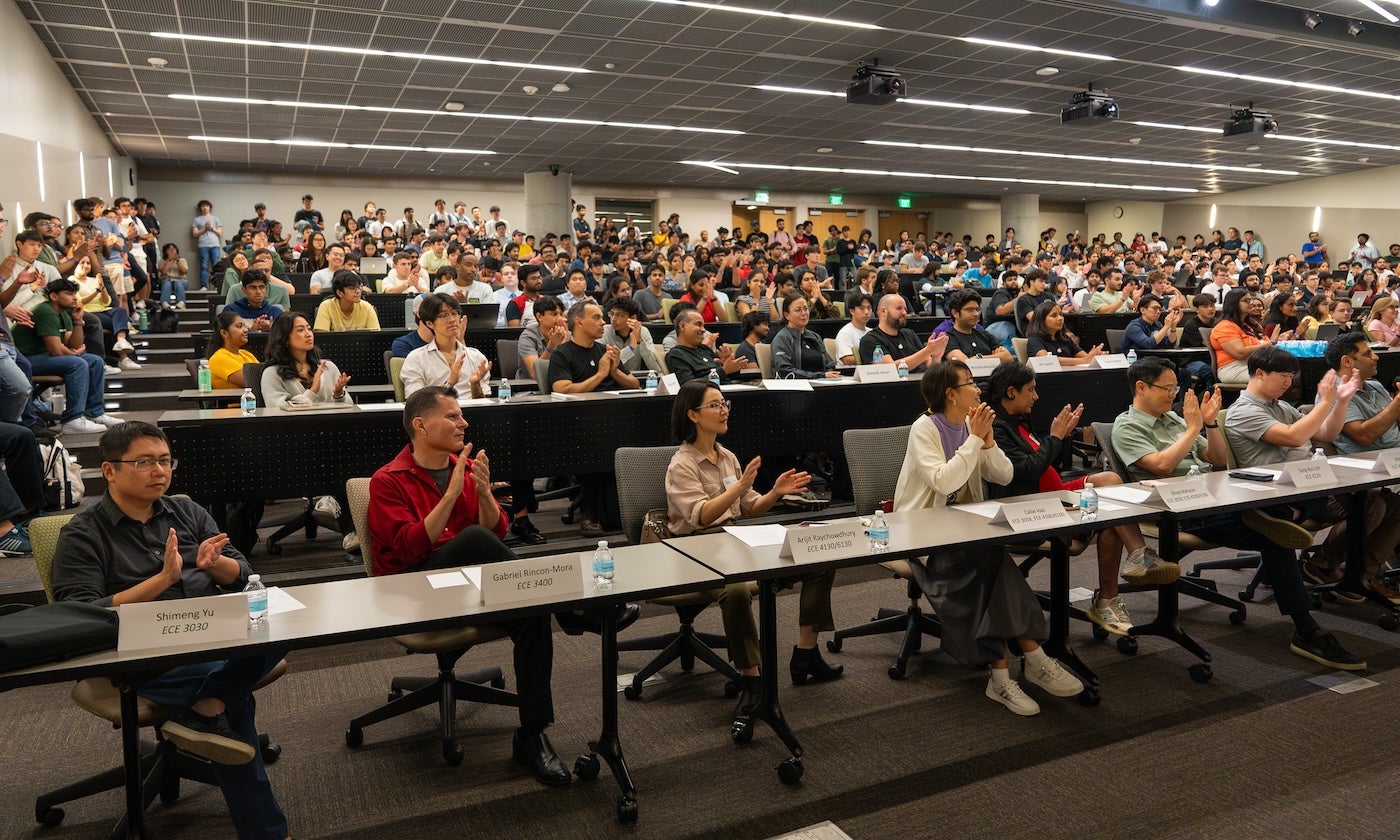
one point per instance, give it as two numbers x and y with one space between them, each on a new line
943 147
1267 80
717 7
1297 138
1385 13
325 144
932 103
831 170
1012 45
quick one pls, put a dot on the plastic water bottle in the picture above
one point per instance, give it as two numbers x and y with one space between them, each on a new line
714 376
142 322
603 566
248 403
503 391
206 379
903 369
1088 503
879 532
651 382
1319 455
257 601
878 356
1194 472
1132 356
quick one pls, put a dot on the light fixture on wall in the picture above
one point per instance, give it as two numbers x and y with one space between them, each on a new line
1312 20
1355 28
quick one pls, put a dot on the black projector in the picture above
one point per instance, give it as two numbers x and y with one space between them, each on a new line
874 86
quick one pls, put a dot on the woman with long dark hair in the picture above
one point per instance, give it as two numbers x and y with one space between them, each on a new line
295 371
1046 336
1236 336
225 351
313 256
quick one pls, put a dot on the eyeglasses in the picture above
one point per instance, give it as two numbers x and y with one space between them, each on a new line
145 465
1172 388
965 384
723 405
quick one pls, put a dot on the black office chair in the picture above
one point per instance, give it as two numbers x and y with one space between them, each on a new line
873 480
645 490
508 356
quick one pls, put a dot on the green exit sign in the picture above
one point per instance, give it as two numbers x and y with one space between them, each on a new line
760 198
836 199
905 203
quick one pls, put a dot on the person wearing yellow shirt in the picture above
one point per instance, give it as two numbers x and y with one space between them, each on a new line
346 310
226 354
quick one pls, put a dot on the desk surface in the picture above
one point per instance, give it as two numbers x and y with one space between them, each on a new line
1237 494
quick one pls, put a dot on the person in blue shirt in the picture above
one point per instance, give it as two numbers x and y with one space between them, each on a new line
253 307
1152 330
1313 251
980 276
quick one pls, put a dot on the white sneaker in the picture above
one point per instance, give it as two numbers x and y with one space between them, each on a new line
1053 677
123 344
112 370
351 543
82 426
180 305
327 505
108 420
1111 615
127 363
140 304
1010 695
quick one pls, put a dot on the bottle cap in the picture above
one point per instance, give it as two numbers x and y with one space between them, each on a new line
1088 485
602 543
254 578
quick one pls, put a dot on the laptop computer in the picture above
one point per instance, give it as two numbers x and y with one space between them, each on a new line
1358 299
1327 332
374 265
481 316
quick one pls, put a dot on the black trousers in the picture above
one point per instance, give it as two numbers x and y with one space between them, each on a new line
22 482
533 637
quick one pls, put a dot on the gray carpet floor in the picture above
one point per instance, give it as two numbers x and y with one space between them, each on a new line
1257 752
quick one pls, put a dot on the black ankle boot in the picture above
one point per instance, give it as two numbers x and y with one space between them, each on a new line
807 663
750 691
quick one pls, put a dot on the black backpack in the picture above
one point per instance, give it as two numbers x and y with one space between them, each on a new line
164 321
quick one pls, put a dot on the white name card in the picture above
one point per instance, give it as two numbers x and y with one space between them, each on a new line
787 384
1032 516
667 384
1304 474
190 621
877 373
805 545
1180 496
533 577
983 366
1110 361
1045 364
1387 462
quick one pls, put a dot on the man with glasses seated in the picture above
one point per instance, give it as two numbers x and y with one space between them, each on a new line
347 310
1154 330
138 545
966 338
254 308
446 360
1156 442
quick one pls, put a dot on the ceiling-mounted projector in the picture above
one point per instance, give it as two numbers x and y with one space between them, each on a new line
875 85
1249 121
1089 104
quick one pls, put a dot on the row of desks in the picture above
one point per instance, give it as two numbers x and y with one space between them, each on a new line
352 610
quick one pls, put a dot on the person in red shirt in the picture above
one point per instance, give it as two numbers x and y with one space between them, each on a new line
702 294
432 508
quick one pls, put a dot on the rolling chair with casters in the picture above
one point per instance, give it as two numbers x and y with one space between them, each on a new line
571 491
507 357
447 688
163 765
882 455
393 366
687 644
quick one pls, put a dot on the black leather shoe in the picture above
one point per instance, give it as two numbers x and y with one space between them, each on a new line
750 692
527 532
575 623
536 753
807 663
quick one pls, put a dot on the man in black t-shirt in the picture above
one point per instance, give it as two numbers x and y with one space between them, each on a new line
308 217
582 364
966 338
897 341
1032 296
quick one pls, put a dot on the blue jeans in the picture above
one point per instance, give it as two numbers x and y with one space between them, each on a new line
1003 331
207 258
114 319
84 380
172 290
15 386
246 788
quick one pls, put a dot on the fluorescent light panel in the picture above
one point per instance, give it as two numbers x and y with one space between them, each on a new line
716 7
1296 138
331 106
1012 45
932 103
1385 13
1267 80
287 45
942 147
831 170
324 144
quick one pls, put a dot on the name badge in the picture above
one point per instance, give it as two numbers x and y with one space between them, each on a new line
1303 474
1045 364
534 577
1387 462
1110 361
805 545
668 384
877 373
1180 496
1032 516
983 366
189 621
787 384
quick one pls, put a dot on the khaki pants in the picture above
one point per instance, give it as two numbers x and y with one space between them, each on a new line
742 631
1382 530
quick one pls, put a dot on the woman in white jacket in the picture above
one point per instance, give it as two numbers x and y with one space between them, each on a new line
981 600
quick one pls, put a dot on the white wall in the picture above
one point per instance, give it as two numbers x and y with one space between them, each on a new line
42 112
1138 217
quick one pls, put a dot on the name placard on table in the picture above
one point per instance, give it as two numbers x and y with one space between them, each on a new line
822 542
1387 461
983 366
1044 364
533 577
1030 516
188 621
1178 496
1110 361
1304 474
668 384
877 373
787 385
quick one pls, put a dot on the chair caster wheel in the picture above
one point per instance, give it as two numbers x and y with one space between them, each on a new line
1246 596
1127 645
626 810
1200 672
49 817
632 692
896 671
731 689
790 771
171 794
1099 633
394 694
275 549
741 732
1237 617
354 737
1089 697
1389 622
498 682
452 753
586 767
687 664
833 645
271 753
